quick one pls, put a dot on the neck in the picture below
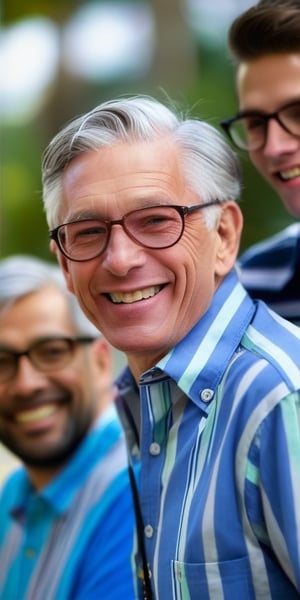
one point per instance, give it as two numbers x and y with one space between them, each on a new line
139 363
41 477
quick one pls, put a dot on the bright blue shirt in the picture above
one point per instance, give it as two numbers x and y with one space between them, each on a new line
220 456
73 539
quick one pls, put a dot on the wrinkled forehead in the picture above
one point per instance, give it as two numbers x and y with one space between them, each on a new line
122 178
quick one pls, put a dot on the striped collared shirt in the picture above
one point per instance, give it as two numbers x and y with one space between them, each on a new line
270 270
220 456
73 540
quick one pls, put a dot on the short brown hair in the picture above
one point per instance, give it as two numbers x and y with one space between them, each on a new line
271 26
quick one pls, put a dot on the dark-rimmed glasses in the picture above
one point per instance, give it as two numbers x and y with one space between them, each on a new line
154 227
248 129
46 355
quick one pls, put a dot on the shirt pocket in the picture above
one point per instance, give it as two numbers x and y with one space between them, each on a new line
227 580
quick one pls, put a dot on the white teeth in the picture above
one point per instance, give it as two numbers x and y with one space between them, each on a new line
29 416
129 297
290 174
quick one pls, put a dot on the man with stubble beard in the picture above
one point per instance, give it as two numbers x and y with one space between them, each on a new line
66 523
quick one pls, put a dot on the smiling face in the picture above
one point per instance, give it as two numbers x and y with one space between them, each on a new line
143 300
44 416
265 85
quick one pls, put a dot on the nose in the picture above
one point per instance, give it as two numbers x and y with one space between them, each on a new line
28 378
122 253
279 141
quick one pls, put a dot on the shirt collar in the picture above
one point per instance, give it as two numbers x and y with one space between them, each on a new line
60 492
198 362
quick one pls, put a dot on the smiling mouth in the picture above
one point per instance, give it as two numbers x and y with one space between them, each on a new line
136 296
35 414
289 174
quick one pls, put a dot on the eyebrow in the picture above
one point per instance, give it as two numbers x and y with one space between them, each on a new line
82 216
39 340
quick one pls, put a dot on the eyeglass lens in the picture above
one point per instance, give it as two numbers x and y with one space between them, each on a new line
46 356
153 227
250 132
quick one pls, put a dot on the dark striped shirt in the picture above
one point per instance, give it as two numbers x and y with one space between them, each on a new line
270 271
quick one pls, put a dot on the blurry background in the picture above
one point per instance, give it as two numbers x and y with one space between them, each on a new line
61 58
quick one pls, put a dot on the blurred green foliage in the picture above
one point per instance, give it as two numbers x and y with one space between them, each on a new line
210 95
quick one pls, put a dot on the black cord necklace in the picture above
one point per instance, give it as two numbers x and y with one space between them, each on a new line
147 590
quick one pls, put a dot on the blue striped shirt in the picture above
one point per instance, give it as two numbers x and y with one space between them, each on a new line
220 456
72 540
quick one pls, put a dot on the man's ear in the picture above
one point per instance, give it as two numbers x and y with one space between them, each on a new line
103 355
229 230
102 365
64 265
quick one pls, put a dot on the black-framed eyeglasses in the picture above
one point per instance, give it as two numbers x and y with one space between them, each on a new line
46 355
155 227
248 129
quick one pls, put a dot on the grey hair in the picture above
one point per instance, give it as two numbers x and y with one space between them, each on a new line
21 275
211 167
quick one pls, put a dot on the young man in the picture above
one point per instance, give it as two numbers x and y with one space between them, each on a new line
66 527
145 224
265 44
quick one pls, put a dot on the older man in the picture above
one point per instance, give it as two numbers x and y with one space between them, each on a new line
142 209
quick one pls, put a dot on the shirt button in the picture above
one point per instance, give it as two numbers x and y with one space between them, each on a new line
154 449
206 395
29 553
148 531
179 571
